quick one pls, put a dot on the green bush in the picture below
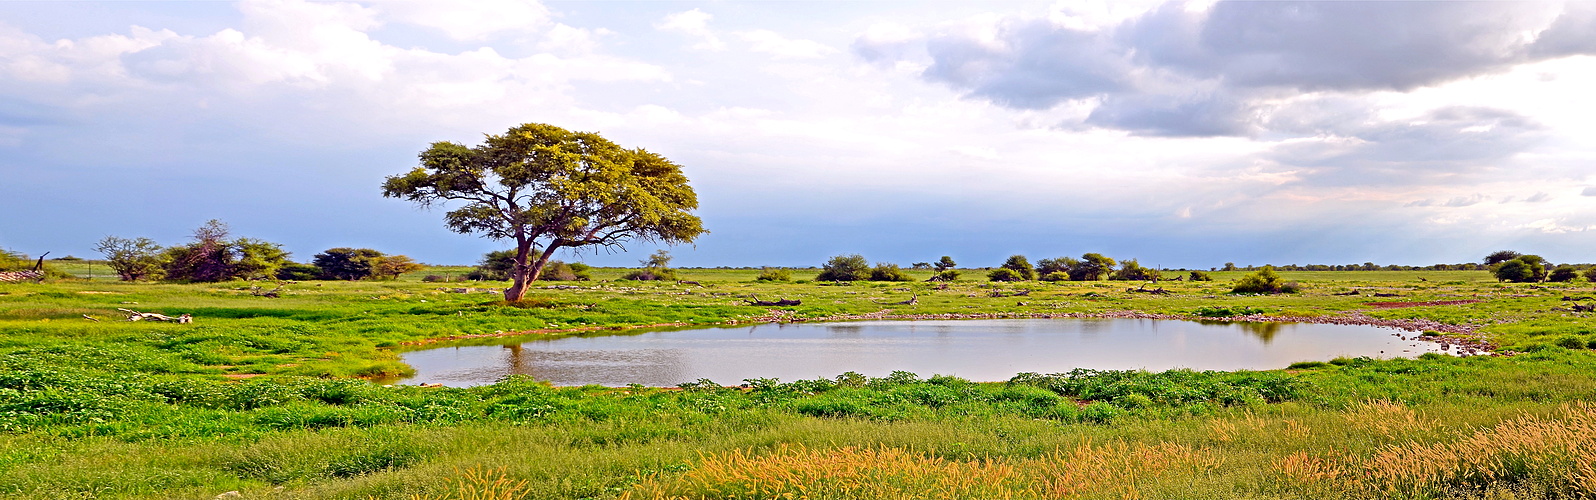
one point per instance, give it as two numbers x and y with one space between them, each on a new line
948 275
1131 270
1200 276
1021 266
1225 312
294 271
651 274
1056 276
1265 280
845 268
1563 273
772 274
1004 274
888 272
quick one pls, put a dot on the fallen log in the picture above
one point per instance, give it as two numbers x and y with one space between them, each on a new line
1000 294
1354 292
1386 295
783 302
913 299
140 316
1154 291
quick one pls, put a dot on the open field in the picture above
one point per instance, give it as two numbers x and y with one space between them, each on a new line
263 396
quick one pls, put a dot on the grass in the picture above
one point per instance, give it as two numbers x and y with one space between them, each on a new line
265 396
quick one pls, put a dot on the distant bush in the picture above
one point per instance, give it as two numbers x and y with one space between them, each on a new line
651 274
1131 270
888 272
1200 276
295 271
845 268
1056 276
1265 280
1590 275
1563 273
1523 269
1021 266
773 274
948 275
560 271
1004 274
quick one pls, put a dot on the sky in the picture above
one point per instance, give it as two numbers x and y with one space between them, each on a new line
1178 134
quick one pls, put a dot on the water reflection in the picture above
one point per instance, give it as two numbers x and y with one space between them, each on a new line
976 350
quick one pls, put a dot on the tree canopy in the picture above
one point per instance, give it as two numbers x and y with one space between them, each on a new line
544 186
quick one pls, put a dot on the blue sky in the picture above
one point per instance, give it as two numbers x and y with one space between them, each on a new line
1179 134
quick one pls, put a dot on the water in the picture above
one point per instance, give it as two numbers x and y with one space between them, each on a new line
980 350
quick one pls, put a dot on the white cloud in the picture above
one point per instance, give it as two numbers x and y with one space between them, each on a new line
474 20
693 23
770 42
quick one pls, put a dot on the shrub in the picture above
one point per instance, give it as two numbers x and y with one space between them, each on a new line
770 274
1131 270
295 271
1225 312
1200 276
1004 274
346 263
888 272
948 275
1056 276
651 274
1021 266
1524 269
1045 267
1265 280
1091 267
1563 273
845 268
1590 275
132 259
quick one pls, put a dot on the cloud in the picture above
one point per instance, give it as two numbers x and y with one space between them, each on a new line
1444 145
769 42
1590 191
1176 70
1538 197
472 21
695 24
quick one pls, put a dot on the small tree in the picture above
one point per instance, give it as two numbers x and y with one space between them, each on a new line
208 258
1522 269
1501 256
655 267
1020 265
391 266
1045 267
773 274
1004 274
1131 270
888 272
1265 280
494 266
1563 273
845 268
945 263
346 263
257 259
132 259
1092 267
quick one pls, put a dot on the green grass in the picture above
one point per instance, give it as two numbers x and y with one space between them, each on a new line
266 393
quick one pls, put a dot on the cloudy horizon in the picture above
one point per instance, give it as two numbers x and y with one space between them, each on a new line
1181 134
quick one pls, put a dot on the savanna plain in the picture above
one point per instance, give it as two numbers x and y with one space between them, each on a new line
285 397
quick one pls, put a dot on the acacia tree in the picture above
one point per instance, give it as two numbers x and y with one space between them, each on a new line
547 188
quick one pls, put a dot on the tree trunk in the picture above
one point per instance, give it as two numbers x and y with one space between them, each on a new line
520 274
543 260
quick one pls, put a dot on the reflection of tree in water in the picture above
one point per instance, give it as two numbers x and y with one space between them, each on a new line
851 330
1264 331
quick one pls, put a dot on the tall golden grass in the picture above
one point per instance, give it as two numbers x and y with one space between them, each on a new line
478 484
1550 456
796 472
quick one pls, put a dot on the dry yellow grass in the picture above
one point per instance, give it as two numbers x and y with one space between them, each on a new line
893 473
1554 456
478 484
